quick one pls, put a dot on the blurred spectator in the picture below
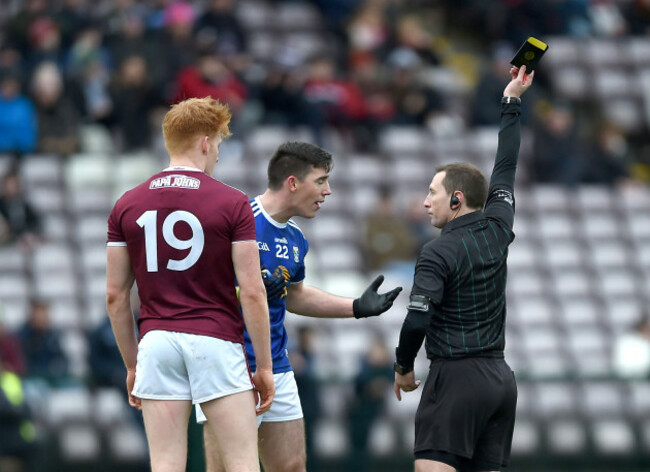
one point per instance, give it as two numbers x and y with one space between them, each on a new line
336 14
46 361
129 37
523 19
11 63
89 63
19 221
301 357
557 145
607 19
44 44
120 15
156 17
367 28
486 101
414 102
411 33
58 119
17 118
134 98
368 73
105 361
372 386
17 446
386 235
11 352
607 158
177 38
637 16
340 100
632 351
107 371
210 77
220 30
73 16
419 223
24 26
543 19
283 101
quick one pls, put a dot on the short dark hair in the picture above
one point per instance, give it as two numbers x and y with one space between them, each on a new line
466 178
297 159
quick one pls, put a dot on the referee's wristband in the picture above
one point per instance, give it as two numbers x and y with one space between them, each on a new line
402 368
515 100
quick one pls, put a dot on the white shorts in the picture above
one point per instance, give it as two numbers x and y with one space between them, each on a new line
286 402
183 366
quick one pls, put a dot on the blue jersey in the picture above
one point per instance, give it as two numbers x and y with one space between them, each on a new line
281 246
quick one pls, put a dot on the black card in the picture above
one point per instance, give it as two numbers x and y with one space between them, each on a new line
529 54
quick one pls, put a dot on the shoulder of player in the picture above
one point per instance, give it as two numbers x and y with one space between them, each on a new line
443 246
132 193
292 224
230 188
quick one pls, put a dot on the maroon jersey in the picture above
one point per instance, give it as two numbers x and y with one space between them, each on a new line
179 227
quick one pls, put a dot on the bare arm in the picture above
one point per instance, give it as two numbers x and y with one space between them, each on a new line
119 280
252 297
311 301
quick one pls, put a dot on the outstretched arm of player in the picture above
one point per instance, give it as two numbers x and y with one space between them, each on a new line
252 297
119 280
310 301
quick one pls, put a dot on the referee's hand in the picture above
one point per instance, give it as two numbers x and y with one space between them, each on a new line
406 383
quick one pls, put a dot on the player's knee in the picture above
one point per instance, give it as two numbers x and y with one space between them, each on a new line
293 464
297 464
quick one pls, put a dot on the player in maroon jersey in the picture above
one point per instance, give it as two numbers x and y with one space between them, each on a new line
183 237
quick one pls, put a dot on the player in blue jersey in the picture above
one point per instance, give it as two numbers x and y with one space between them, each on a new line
298 183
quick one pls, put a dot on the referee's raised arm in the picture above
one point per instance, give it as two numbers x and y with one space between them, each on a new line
502 181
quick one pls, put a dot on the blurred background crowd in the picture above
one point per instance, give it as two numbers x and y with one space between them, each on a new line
391 87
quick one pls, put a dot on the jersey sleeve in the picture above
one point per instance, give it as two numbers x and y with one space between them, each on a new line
500 203
115 235
430 274
299 275
243 221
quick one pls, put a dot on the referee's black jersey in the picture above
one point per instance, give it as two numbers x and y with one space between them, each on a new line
463 272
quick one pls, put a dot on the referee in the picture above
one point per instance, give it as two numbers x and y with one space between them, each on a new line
466 414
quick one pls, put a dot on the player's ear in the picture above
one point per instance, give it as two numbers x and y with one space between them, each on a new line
205 145
292 181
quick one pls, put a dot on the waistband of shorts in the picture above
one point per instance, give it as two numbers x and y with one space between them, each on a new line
488 355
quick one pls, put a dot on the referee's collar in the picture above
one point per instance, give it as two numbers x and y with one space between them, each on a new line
464 220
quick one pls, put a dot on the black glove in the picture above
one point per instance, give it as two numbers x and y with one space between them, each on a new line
370 303
276 282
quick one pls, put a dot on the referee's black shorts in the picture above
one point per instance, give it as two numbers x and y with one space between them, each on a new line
467 413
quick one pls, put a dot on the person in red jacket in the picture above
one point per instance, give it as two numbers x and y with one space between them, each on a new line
210 77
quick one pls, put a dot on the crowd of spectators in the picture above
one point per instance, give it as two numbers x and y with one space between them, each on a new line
116 63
